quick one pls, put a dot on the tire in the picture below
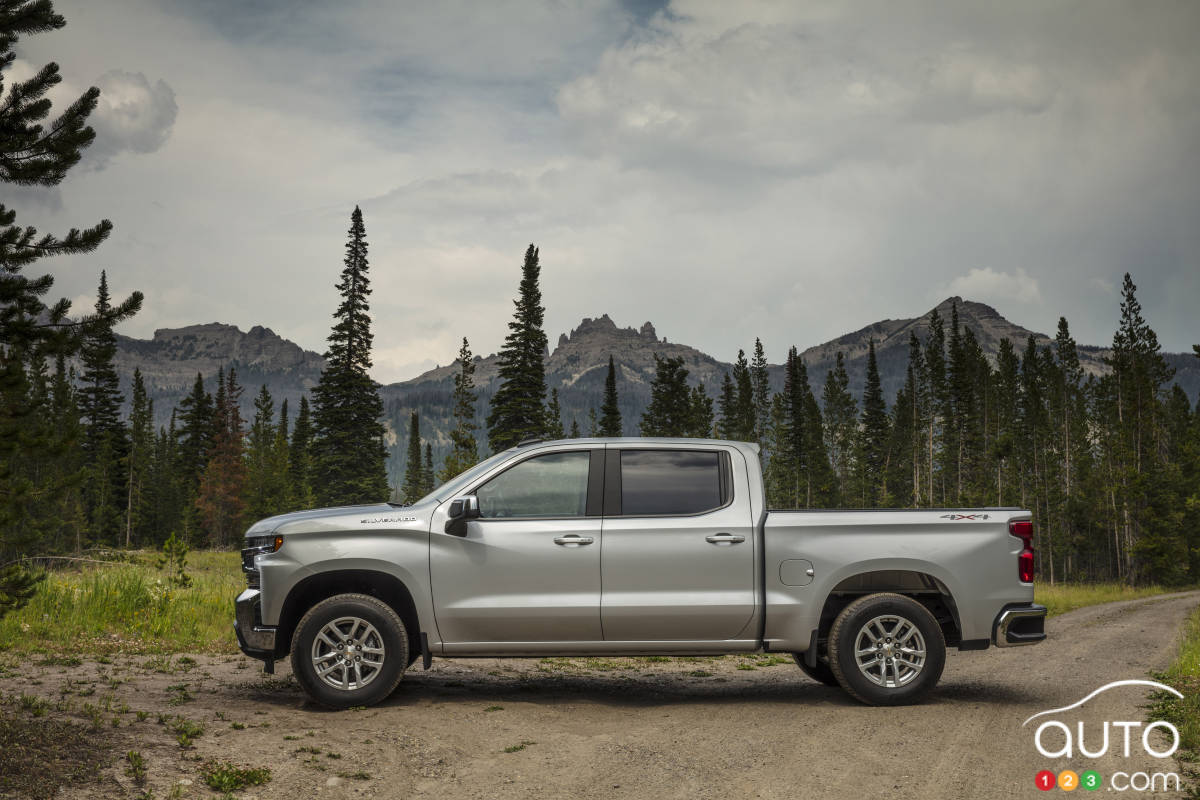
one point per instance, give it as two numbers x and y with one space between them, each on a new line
893 676
821 673
360 627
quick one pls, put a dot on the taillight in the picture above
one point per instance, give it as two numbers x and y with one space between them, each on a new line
1023 530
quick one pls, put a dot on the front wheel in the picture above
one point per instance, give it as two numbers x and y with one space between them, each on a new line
886 649
350 650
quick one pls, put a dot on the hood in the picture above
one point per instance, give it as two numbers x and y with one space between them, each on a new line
355 519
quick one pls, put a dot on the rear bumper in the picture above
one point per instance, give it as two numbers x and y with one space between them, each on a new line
1018 625
255 639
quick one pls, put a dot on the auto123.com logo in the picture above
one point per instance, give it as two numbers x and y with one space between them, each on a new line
1062 738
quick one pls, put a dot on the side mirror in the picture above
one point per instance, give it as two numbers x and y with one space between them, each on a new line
461 509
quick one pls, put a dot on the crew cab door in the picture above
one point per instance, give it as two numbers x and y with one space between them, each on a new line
528 569
678 550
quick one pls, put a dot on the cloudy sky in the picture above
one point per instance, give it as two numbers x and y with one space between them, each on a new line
787 170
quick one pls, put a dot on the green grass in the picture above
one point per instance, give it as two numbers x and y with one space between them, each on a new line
1184 675
1063 597
226 777
130 608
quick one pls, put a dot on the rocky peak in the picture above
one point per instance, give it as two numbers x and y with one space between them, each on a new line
647 332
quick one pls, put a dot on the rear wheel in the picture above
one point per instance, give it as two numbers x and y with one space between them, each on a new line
350 650
886 649
821 673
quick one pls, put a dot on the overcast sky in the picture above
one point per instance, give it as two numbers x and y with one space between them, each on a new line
726 170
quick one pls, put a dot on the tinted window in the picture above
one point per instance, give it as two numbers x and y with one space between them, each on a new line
669 482
553 485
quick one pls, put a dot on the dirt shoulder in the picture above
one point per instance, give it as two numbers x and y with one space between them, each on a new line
583 728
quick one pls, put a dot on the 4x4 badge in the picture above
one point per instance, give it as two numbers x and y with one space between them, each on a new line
964 516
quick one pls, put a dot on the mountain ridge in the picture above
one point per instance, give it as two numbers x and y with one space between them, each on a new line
577 366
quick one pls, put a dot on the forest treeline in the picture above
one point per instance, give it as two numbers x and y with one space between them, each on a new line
1109 464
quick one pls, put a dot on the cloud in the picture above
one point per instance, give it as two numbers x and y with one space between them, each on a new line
995 287
132 116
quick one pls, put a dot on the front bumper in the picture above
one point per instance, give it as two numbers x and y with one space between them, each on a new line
255 639
1019 624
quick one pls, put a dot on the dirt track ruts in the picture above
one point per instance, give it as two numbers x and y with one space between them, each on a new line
657 730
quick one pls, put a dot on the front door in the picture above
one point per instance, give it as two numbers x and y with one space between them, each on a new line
528 569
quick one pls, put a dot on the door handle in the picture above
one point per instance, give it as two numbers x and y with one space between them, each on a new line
724 539
572 540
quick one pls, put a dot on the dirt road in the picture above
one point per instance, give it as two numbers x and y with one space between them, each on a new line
636 728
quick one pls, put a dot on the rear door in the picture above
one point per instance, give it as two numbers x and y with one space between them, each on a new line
678 551
528 569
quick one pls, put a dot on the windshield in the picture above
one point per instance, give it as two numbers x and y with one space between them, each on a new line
456 484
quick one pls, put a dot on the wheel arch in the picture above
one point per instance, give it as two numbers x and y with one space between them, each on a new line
924 586
311 590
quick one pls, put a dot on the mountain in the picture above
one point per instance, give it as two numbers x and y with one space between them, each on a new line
169 363
577 366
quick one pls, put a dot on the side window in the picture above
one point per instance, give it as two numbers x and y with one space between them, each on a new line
553 485
672 482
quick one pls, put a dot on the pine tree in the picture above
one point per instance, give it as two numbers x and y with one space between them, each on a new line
463 448
33 153
139 460
266 476
760 393
742 426
300 459
841 422
223 483
670 411
105 444
935 383
165 495
554 426
575 434
414 478
875 436
427 474
700 425
517 412
348 448
727 426
610 412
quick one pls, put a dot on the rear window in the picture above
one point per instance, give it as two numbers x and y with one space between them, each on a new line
671 482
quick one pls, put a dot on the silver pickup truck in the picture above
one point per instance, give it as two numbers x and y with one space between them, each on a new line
631 547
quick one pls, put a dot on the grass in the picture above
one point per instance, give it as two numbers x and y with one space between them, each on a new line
40 757
1063 597
1184 675
129 608
226 777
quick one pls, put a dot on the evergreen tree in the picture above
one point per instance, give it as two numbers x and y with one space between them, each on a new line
427 474
742 426
165 495
223 483
554 426
517 412
760 393
139 460
610 413
414 478
670 412
701 422
266 473
873 458
105 445
34 153
62 490
575 429
348 448
300 458
463 449
841 422
727 426
935 383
